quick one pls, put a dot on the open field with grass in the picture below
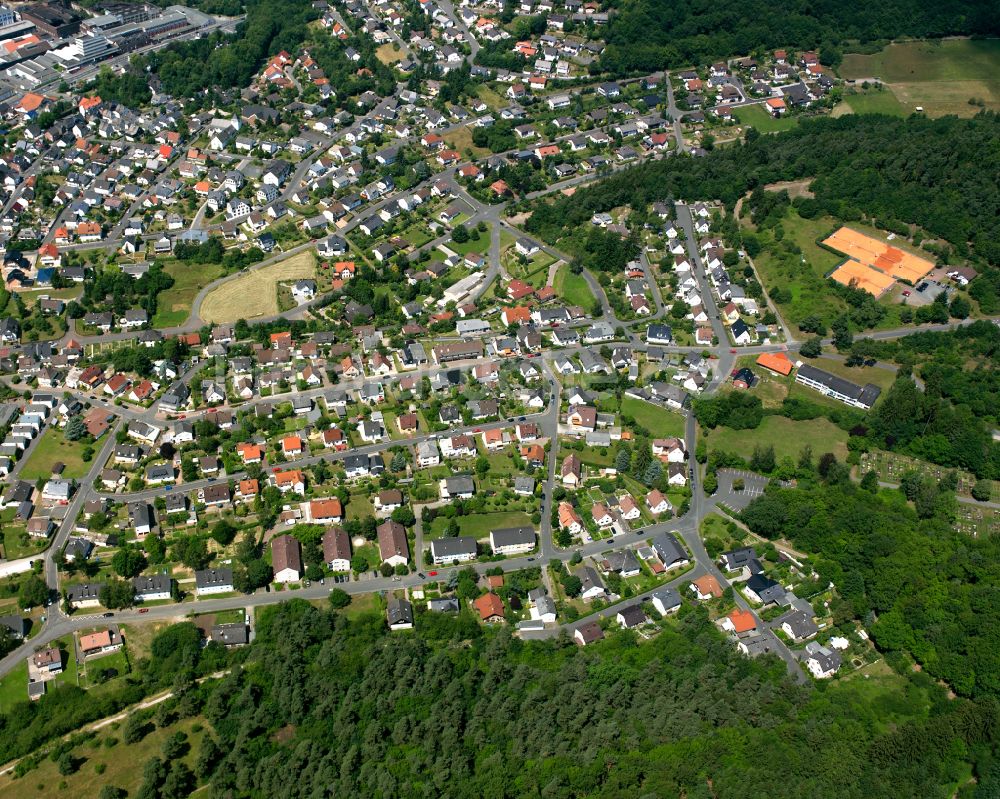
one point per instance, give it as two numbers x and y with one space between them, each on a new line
805 274
255 293
939 76
390 53
876 102
478 526
461 140
14 686
119 764
573 288
786 436
51 448
34 295
882 378
174 305
660 422
757 117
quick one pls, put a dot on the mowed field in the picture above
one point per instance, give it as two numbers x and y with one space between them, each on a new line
939 76
389 53
174 305
573 288
255 293
757 117
788 437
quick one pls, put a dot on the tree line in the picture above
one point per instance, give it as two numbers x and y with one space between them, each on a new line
652 35
928 172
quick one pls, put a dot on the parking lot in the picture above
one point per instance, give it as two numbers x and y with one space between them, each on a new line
753 487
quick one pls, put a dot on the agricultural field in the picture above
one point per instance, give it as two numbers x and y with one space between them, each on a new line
755 116
255 293
174 305
53 448
940 76
788 437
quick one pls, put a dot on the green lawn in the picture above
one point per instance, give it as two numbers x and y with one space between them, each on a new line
882 378
17 543
52 448
756 116
573 288
14 686
113 660
786 436
480 525
876 102
174 305
938 76
660 422
360 507
480 245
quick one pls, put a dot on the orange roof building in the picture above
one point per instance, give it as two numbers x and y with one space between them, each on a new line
490 607
98 640
250 453
740 621
30 103
707 586
776 362
324 510
289 478
291 444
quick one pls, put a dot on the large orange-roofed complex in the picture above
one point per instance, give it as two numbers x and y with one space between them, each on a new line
873 264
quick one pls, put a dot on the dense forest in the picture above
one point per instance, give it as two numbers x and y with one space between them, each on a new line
939 174
923 590
350 710
647 35
221 62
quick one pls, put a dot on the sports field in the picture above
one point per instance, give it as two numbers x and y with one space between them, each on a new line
872 252
255 293
938 76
